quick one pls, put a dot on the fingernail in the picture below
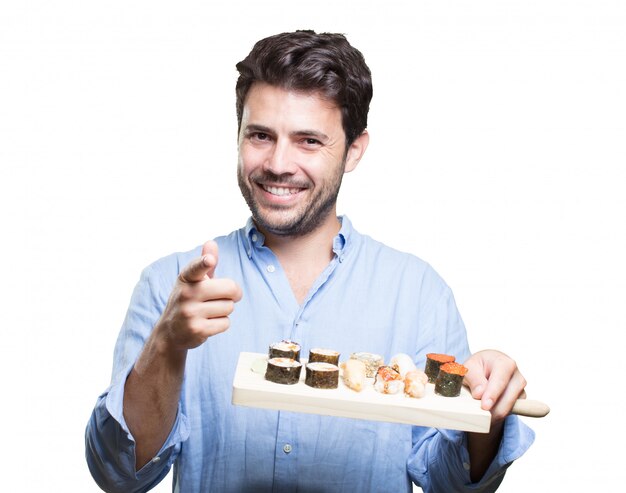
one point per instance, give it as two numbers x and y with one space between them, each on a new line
478 390
487 404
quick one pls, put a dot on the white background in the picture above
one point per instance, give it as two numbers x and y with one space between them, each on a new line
497 154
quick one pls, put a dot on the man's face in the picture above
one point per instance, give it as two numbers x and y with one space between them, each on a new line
291 159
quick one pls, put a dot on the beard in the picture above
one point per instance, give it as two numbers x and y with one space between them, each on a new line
291 221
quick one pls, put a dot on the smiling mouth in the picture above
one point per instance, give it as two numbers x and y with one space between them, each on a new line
281 191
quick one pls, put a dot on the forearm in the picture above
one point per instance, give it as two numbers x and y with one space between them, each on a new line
483 448
151 396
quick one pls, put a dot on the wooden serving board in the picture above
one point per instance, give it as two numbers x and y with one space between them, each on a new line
456 413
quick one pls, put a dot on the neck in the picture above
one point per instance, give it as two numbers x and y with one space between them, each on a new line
305 257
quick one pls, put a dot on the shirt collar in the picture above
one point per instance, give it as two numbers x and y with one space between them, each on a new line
252 237
341 242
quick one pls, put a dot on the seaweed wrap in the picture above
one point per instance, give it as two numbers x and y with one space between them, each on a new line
322 375
433 362
285 349
283 370
450 379
324 355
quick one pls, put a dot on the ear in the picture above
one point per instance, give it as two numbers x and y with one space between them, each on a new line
356 151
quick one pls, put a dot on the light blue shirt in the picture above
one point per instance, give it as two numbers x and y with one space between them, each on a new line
370 298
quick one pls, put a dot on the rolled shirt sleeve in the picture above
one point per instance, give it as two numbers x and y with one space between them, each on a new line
439 461
110 447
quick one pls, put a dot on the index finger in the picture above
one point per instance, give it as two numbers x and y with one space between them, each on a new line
198 269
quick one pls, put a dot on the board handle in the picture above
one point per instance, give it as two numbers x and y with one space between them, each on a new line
530 408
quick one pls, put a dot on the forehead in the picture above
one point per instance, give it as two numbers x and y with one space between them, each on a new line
274 106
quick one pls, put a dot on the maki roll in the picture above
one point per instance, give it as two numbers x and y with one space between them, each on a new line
372 362
388 381
324 355
285 349
450 379
283 370
321 375
433 362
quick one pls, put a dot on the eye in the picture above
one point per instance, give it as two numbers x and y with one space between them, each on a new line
260 136
311 142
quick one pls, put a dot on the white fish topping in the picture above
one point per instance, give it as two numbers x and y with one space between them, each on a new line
354 374
403 364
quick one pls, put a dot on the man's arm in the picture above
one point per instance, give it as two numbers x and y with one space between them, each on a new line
493 378
197 309
441 460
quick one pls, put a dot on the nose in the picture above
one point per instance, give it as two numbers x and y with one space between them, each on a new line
281 159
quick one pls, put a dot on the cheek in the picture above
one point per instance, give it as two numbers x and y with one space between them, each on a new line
249 159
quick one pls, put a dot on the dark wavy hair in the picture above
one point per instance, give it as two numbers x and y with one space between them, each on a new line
310 62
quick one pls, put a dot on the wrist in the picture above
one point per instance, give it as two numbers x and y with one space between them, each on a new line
160 353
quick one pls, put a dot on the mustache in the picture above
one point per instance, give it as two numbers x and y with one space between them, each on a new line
285 180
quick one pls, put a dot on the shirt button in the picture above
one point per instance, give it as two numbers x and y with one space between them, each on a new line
271 268
466 466
156 459
255 237
287 448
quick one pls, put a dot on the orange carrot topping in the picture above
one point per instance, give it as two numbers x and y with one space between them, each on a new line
454 369
440 358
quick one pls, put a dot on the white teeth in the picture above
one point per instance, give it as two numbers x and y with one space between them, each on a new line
280 191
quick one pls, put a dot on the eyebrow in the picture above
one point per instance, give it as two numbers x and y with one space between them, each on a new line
321 136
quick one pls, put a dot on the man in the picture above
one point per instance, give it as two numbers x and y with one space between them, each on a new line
296 271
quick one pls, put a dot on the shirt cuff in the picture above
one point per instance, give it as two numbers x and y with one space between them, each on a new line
179 433
440 459
517 437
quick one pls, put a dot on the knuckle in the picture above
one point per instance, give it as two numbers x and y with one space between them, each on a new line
185 292
187 311
197 327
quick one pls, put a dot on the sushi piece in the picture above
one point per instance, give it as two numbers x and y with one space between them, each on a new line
285 349
324 355
414 380
372 362
321 375
285 371
403 364
450 379
388 381
433 362
353 374
415 383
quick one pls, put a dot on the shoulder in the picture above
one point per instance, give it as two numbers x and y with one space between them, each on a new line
385 259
